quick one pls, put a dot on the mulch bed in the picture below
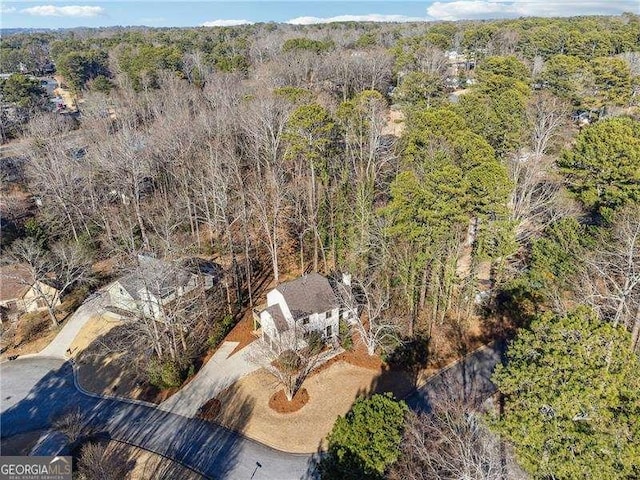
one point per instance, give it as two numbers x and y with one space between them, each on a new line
241 332
357 356
280 404
210 410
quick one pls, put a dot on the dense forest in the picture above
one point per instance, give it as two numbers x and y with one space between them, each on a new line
479 181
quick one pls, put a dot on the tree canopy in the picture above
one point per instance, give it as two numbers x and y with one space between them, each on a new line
23 91
603 167
366 441
572 398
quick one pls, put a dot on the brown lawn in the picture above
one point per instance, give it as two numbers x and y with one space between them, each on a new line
332 391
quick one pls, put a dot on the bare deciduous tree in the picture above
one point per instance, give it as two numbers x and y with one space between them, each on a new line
269 198
100 461
450 443
547 115
370 314
611 280
537 198
289 358
63 267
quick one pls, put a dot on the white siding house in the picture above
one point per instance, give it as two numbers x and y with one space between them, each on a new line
306 304
156 283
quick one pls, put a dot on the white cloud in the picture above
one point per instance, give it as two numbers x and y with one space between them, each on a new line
226 23
372 17
478 9
68 11
4 9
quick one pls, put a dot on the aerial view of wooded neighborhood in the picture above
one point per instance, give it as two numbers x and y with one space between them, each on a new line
400 250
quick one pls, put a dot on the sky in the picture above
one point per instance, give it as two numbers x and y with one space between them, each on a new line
159 13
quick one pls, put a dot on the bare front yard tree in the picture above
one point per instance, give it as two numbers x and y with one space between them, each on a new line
64 267
289 359
370 312
103 462
72 424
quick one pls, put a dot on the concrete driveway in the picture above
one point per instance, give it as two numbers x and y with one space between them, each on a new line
59 345
221 371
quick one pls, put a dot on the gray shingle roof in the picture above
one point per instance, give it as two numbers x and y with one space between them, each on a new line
278 318
159 277
308 294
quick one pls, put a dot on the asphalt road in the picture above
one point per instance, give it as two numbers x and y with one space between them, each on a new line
207 448
33 391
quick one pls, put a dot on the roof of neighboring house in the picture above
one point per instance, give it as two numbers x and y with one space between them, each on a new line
200 266
278 317
16 279
160 278
308 294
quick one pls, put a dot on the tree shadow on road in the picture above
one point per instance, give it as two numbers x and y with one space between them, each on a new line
208 448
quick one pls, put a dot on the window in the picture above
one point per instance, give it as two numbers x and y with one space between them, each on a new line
305 321
329 332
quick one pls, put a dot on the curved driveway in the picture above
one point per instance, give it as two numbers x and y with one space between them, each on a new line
35 390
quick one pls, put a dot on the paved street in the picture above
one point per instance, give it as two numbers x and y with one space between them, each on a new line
210 449
42 388
35 389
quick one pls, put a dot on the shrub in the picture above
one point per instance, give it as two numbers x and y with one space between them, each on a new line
344 335
166 374
97 461
71 424
315 342
366 441
220 330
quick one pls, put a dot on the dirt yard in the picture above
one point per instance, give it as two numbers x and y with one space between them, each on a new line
149 466
67 97
242 332
395 123
29 334
332 391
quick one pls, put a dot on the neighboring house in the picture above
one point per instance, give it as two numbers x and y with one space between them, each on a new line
19 293
157 283
298 307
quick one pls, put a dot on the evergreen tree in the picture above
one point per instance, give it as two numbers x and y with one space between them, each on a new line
366 441
572 399
603 167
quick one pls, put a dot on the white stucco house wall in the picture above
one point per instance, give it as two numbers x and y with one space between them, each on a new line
296 308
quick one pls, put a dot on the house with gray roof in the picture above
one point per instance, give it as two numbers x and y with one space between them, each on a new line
308 303
155 283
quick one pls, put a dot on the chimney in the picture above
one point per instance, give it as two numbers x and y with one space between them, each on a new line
346 279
